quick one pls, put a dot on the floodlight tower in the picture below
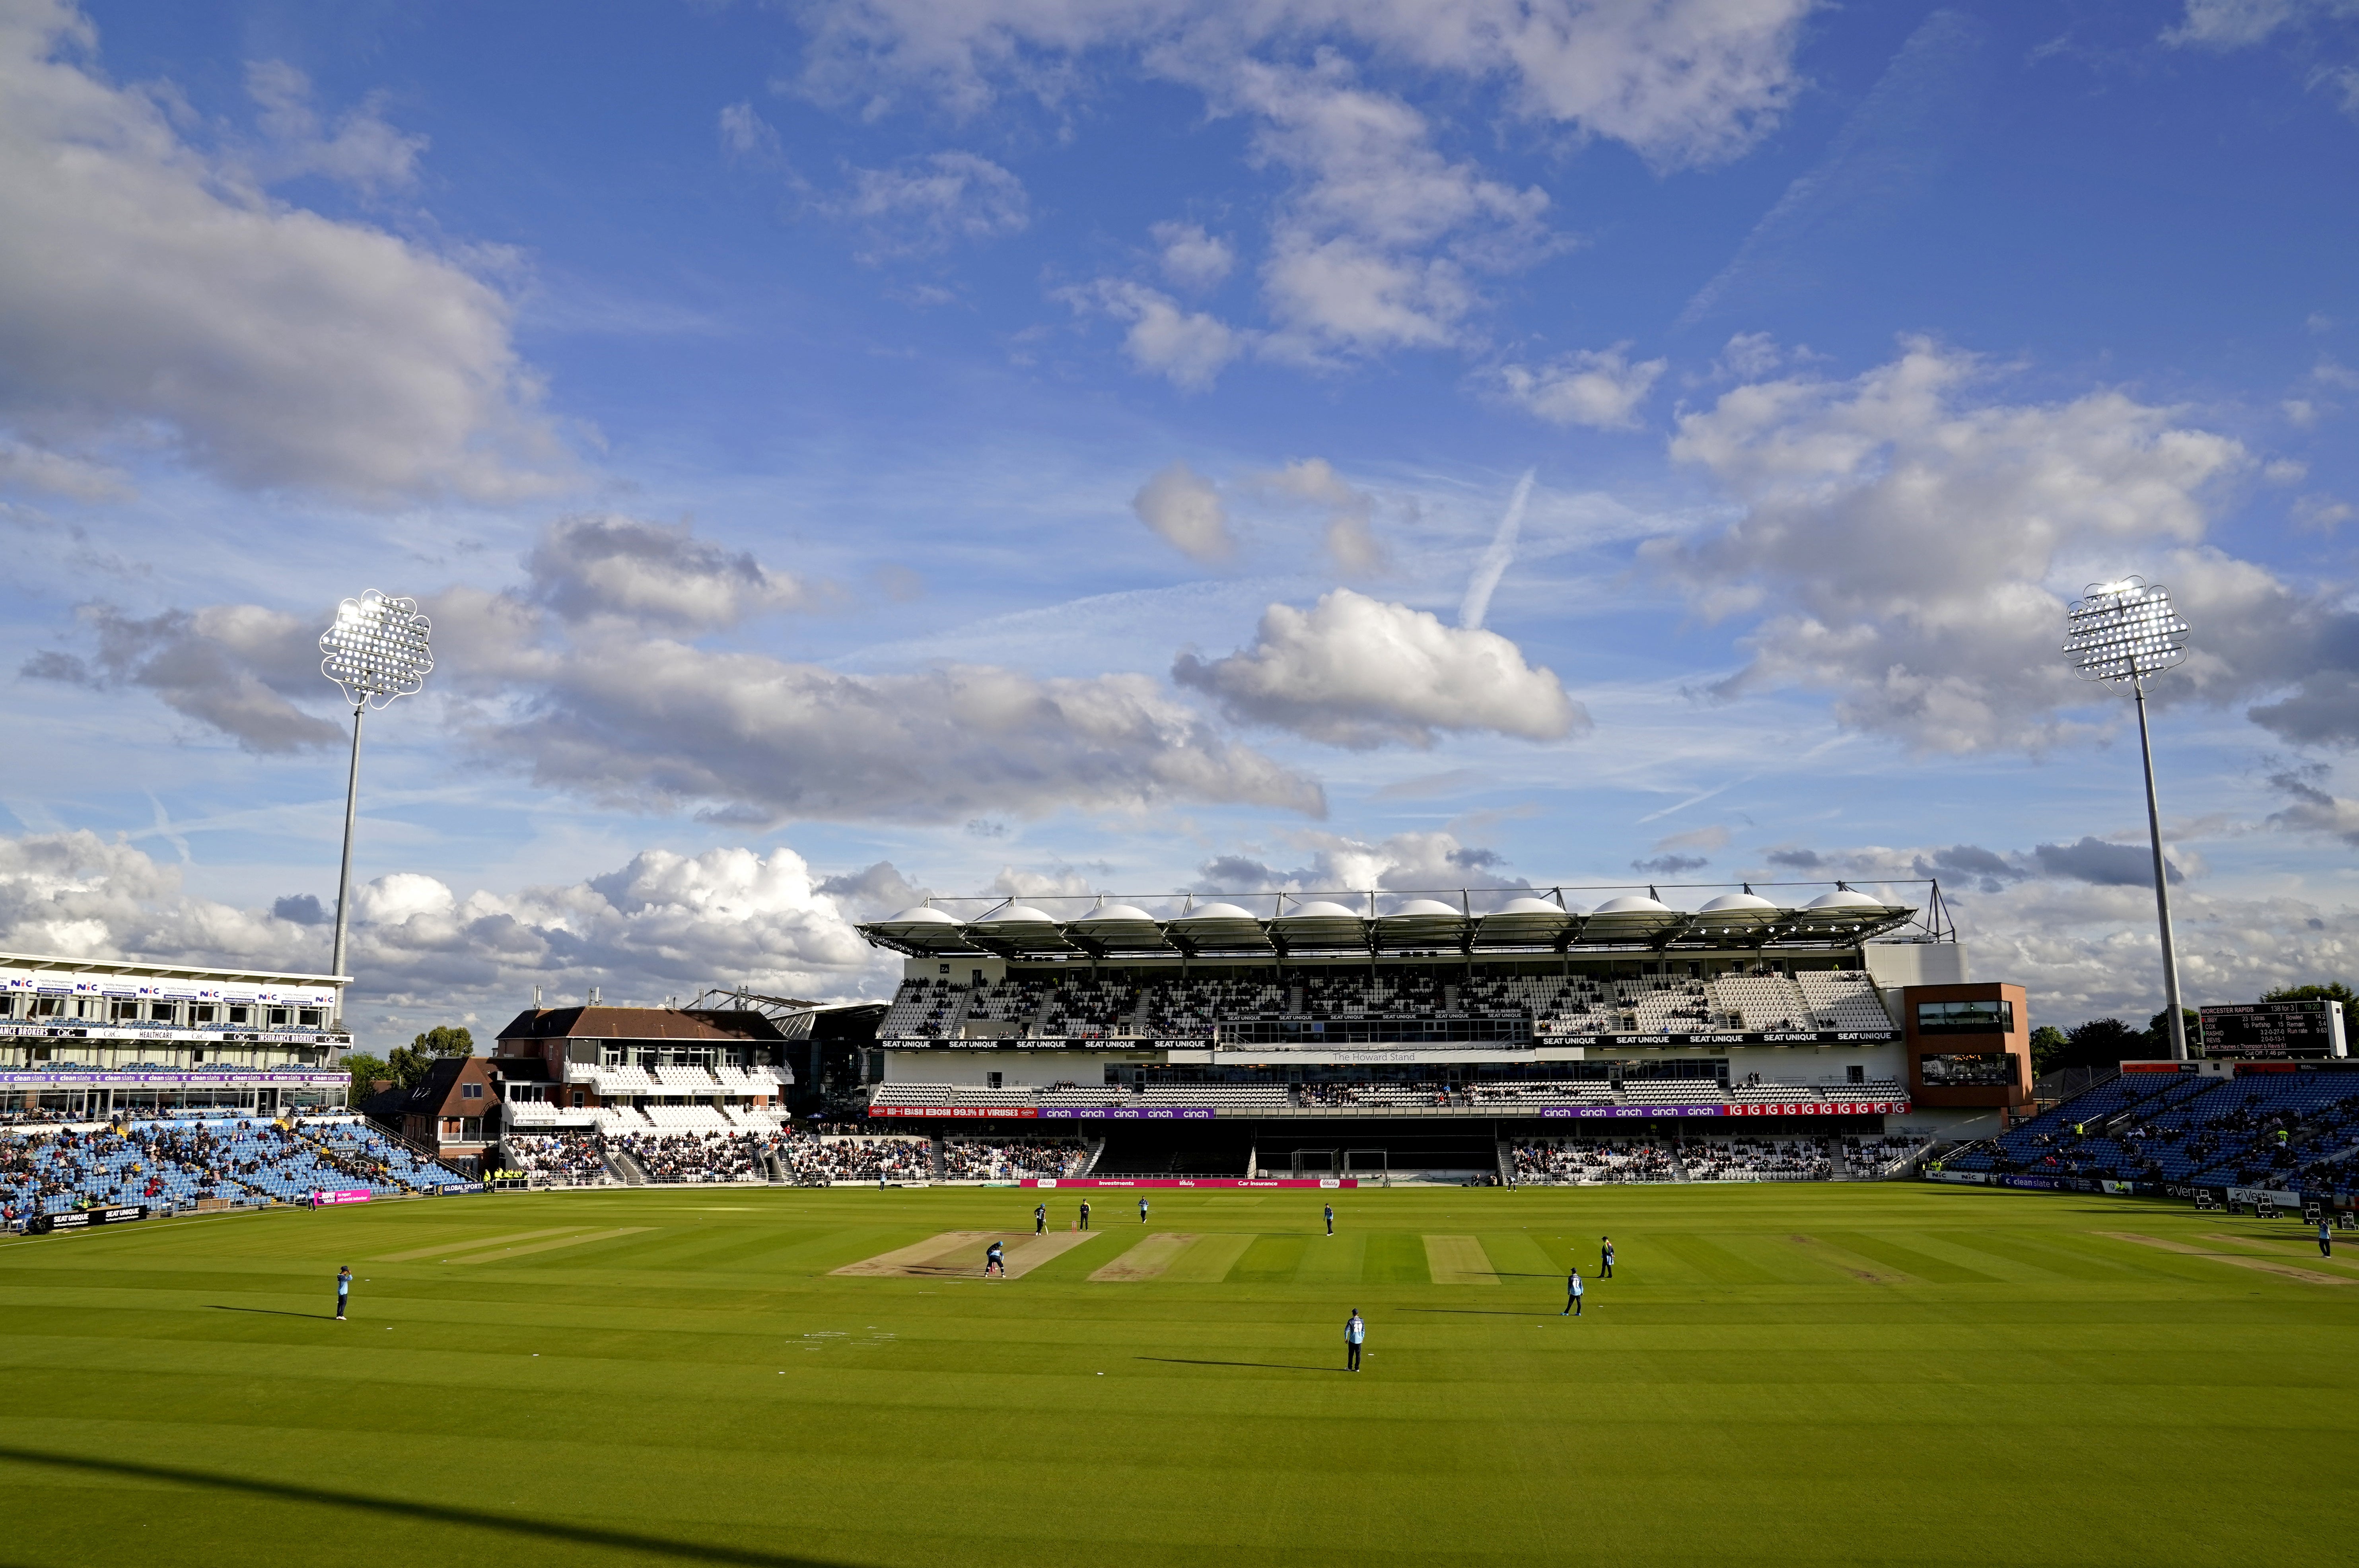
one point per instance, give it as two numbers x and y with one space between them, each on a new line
2128 631
376 650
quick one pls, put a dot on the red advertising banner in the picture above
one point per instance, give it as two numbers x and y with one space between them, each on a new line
1841 1108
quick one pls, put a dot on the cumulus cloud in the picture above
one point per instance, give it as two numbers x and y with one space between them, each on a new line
1406 863
607 564
580 678
1189 257
1670 865
1188 348
1358 672
873 892
1183 507
1909 544
361 148
1599 388
655 725
660 924
1376 247
1352 541
147 287
227 666
929 203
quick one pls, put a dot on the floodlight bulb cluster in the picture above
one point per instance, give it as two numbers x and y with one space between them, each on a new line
377 649
2124 630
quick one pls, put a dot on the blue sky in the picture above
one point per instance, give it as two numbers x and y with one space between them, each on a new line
857 450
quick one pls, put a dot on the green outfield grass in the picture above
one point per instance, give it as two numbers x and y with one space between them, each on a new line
1779 1373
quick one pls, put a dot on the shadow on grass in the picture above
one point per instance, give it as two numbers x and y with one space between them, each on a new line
1272 1365
274 1311
1484 1312
654 1546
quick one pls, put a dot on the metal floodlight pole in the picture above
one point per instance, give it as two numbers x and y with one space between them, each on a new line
2127 631
377 649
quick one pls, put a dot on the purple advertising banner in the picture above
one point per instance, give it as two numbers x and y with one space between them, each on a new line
103 1077
1127 1113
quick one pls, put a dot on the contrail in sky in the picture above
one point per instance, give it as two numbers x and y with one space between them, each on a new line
1494 564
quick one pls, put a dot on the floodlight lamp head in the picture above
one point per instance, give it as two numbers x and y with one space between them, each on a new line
376 650
2124 630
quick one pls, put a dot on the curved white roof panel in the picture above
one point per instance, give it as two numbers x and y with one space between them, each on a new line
1332 925
1531 906
1633 904
1115 914
1212 914
1427 909
1018 915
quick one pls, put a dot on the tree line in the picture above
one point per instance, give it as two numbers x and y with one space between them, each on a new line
2107 1041
407 1065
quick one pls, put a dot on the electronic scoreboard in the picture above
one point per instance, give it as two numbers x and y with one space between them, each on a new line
2274 1029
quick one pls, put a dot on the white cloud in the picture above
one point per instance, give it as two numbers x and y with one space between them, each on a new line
145 286
1351 513
651 725
930 203
662 923
571 680
1911 550
2224 25
1684 81
31 468
2074 923
1600 388
2234 24
745 134
1404 862
1354 671
1192 258
229 668
1190 348
1372 251
606 564
362 149
1183 507
1379 243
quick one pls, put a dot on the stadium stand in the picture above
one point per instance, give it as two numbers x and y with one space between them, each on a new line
1583 1162
1491 1096
1024 1005
2286 1131
1757 1160
560 1159
692 1156
1004 1160
809 1162
175 1164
